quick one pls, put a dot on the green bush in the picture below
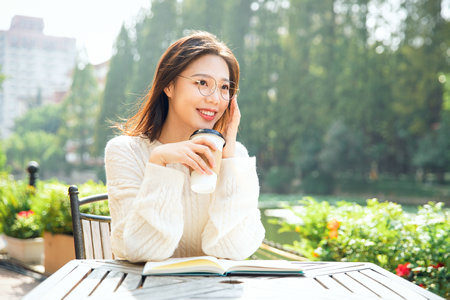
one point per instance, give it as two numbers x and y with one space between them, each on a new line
18 213
416 247
25 211
54 204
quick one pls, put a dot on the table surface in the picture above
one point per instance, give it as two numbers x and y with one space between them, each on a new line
113 279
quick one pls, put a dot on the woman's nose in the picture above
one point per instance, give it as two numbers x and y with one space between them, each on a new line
214 97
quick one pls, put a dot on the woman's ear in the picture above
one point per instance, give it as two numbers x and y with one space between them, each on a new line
169 89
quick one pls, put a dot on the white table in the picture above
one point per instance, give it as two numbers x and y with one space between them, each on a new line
112 279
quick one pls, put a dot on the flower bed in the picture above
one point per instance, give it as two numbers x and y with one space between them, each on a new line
414 246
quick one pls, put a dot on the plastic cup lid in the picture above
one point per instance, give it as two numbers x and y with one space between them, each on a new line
210 131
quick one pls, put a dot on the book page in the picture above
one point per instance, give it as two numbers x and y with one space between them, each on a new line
203 264
259 266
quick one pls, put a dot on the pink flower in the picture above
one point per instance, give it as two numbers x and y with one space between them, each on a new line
403 270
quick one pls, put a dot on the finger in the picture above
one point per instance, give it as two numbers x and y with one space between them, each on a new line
192 164
206 152
233 125
206 142
236 112
199 164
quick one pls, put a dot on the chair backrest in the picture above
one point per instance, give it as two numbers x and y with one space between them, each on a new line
91 233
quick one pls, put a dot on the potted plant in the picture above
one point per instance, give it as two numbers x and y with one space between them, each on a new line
20 221
54 206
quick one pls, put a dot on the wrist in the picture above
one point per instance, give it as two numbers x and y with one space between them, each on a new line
156 159
229 150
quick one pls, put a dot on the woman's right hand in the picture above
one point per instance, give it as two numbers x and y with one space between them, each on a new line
187 153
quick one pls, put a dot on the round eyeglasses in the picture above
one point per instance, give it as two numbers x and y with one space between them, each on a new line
207 86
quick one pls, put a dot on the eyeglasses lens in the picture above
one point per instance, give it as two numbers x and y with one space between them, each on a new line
208 86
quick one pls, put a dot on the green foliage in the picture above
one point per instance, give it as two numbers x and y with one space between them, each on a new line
381 233
54 207
47 118
49 202
278 179
92 188
318 183
322 93
25 226
80 111
54 204
16 199
115 95
2 159
433 153
34 145
343 150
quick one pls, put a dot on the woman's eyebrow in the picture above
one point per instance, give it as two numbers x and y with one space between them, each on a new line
207 75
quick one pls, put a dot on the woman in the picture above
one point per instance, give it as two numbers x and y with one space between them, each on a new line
155 215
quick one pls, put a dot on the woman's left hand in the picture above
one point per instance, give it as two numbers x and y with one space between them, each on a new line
231 130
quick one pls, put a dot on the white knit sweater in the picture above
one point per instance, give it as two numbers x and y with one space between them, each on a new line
155 215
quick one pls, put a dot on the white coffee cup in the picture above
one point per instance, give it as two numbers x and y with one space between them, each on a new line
204 183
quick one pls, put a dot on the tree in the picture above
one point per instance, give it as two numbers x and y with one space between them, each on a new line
47 118
80 111
259 85
39 146
304 103
153 35
343 151
115 97
204 15
433 152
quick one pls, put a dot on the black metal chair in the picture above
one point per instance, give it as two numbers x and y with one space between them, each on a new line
91 232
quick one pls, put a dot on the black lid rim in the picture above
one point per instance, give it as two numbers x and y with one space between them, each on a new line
211 131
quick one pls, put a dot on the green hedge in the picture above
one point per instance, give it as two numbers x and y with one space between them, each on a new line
414 246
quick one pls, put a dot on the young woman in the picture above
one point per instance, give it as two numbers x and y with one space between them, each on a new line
155 215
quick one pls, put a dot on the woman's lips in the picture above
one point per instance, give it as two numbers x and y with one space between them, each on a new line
208 115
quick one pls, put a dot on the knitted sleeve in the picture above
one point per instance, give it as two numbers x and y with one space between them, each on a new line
234 229
145 203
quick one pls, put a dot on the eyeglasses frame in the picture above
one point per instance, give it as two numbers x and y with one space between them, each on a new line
215 86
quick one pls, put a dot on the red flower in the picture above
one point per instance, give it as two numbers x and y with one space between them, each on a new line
403 270
438 265
423 285
25 213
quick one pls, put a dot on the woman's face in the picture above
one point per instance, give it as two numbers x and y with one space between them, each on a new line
189 110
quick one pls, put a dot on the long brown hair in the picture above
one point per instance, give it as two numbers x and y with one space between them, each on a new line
152 113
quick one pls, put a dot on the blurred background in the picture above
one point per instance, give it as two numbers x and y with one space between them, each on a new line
341 98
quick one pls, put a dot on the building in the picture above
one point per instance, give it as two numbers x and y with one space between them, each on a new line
38 68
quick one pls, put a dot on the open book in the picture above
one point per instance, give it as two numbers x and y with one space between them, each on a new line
208 265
